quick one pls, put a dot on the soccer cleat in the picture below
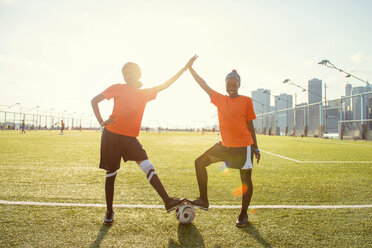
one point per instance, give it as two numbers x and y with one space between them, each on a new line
109 218
199 203
173 202
242 220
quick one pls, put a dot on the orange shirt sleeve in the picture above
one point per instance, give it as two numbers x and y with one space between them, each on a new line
216 97
250 111
111 91
149 94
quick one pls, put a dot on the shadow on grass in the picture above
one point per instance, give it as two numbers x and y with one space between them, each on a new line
101 235
251 230
188 236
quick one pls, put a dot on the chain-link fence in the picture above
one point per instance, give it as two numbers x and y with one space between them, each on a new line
346 117
13 121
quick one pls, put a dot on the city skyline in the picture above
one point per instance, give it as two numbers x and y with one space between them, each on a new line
312 94
318 116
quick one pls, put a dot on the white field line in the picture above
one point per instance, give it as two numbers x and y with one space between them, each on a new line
298 161
336 162
337 143
318 162
62 204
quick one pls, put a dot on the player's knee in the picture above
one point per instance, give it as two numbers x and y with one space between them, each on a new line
201 162
148 169
245 172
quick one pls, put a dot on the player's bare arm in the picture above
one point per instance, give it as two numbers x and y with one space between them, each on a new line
97 99
199 80
254 146
170 81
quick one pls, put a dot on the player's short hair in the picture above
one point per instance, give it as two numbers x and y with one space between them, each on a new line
234 74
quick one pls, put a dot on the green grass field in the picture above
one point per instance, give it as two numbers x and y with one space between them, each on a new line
44 166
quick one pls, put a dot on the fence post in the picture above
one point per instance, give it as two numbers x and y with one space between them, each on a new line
4 127
340 125
361 133
321 120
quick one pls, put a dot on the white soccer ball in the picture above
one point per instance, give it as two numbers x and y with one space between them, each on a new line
185 214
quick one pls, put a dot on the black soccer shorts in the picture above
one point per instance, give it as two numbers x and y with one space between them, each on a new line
234 157
115 146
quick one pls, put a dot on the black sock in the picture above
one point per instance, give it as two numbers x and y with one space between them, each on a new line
158 186
109 190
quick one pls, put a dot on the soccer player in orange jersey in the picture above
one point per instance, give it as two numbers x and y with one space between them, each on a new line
62 127
235 116
121 129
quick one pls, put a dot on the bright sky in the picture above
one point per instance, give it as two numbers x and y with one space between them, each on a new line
60 54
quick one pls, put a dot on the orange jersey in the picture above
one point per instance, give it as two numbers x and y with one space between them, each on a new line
233 115
129 105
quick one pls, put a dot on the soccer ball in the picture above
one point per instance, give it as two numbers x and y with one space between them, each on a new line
185 214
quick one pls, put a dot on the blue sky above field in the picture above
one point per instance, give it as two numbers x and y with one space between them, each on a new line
60 54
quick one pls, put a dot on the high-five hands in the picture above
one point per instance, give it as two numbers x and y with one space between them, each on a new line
190 62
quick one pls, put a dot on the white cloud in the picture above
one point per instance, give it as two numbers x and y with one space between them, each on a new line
357 57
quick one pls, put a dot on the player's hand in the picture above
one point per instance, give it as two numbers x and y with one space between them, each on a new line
190 62
257 155
107 122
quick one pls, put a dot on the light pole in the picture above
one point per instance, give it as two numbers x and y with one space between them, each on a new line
72 120
327 63
37 114
80 122
64 111
51 119
37 117
10 106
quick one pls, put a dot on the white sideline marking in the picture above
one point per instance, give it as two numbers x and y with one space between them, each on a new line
62 204
298 161
319 162
337 162
337 143
293 206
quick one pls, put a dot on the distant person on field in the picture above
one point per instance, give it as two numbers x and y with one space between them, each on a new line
235 115
121 129
62 127
23 126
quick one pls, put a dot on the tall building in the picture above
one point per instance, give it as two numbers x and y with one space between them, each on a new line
284 101
314 96
357 107
285 118
314 91
348 89
261 101
301 116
